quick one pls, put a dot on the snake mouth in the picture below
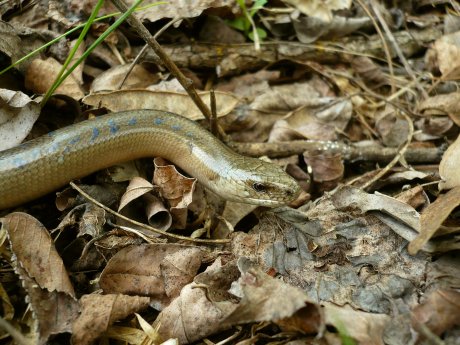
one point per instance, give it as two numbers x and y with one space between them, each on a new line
264 202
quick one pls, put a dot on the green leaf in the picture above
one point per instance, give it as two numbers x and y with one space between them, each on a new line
258 4
260 32
238 23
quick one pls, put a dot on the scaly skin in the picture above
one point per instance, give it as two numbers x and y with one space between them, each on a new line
47 163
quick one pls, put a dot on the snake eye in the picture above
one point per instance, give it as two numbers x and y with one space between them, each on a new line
259 187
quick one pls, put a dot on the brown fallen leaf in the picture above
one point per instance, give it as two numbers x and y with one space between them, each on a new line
363 327
18 114
176 188
156 271
137 187
176 102
320 119
111 79
448 167
42 272
35 252
441 105
201 306
41 74
446 53
100 311
433 216
439 312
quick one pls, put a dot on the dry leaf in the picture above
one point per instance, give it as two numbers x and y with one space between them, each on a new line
319 8
43 275
111 79
35 252
365 328
449 166
319 120
156 271
439 312
441 105
201 306
264 298
175 102
433 216
136 188
176 188
447 52
41 75
100 311
18 114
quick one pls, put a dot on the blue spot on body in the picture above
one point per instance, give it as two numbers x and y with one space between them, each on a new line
159 121
53 148
51 134
132 121
95 134
19 162
36 154
113 127
75 140
176 127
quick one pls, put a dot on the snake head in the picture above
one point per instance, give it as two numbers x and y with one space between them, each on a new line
262 183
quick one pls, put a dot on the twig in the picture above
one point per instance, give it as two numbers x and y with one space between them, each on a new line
144 49
351 153
396 158
402 58
147 227
170 65
384 43
13 332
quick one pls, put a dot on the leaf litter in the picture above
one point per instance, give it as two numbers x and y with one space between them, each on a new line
355 258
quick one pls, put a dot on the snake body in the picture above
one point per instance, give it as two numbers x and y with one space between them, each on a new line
45 164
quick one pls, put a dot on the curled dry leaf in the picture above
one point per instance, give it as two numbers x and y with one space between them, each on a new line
449 166
176 188
432 127
433 216
41 75
18 113
136 188
179 103
100 311
157 214
353 199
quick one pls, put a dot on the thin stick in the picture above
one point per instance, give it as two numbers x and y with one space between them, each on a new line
170 65
147 227
384 43
144 49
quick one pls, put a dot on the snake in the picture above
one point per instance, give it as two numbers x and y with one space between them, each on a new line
47 163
